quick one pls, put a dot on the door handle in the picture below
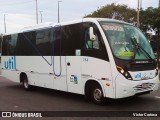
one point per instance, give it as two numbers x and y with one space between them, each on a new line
68 64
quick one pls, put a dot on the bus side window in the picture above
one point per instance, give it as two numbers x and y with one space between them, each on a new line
43 41
5 45
72 39
9 44
56 41
92 44
25 43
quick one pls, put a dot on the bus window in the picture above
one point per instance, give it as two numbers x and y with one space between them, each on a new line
43 41
72 39
25 44
56 41
9 44
91 44
93 48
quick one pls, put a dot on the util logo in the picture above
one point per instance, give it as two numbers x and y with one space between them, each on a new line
11 63
137 75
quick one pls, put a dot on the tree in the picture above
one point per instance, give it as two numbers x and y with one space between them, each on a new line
120 12
150 19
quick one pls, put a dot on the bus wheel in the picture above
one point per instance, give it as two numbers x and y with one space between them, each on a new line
97 95
25 84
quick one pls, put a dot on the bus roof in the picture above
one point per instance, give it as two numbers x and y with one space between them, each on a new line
49 25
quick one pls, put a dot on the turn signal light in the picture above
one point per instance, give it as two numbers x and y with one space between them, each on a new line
107 84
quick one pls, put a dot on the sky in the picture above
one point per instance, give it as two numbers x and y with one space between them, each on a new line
22 13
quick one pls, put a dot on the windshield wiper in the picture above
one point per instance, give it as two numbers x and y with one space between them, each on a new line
140 48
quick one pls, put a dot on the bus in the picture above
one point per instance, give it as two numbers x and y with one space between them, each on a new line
96 57
0 45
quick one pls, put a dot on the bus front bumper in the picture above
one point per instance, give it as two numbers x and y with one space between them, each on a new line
127 88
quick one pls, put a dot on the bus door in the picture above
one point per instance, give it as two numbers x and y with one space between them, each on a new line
71 45
58 60
74 74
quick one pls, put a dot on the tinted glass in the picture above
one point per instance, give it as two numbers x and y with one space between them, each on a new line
72 39
25 44
96 48
56 41
43 41
9 44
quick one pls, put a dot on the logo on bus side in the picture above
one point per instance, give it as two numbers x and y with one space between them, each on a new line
10 64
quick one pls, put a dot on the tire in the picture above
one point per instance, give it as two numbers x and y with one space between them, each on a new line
97 95
25 84
87 94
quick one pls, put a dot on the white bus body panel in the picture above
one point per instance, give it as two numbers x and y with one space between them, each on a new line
11 74
73 77
75 84
99 70
59 82
38 71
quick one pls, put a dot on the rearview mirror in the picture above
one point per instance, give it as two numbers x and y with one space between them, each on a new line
91 34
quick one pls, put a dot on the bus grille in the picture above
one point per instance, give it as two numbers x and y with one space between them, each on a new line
142 67
144 87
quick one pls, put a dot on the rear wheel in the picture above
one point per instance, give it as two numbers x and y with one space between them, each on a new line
97 95
25 83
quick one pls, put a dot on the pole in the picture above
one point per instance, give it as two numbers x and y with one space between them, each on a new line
36 12
140 5
158 50
58 11
138 13
41 15
5 23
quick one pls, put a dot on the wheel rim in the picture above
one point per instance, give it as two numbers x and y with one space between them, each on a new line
25 83
97 94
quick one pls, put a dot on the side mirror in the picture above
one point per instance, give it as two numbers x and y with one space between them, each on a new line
91 34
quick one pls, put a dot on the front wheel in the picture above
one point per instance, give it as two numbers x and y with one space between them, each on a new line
97 95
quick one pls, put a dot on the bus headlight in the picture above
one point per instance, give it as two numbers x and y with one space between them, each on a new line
124 73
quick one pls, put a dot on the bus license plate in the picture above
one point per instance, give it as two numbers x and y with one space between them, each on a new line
145 85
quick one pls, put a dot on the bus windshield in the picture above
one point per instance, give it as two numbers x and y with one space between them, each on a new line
127 41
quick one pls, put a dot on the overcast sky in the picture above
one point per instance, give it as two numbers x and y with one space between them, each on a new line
22 13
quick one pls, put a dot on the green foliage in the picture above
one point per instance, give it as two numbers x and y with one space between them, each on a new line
150 19
120 12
